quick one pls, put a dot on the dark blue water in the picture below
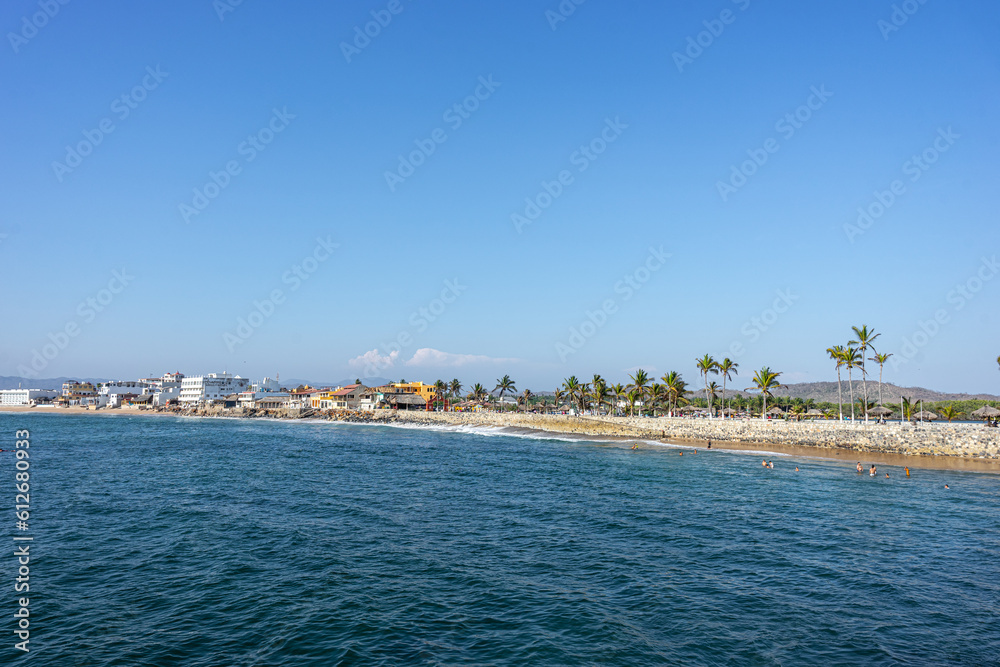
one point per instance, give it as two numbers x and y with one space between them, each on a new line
161 541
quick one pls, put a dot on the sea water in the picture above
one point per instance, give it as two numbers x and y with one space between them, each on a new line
171 541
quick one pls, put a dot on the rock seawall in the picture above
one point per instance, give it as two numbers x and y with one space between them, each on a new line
964 440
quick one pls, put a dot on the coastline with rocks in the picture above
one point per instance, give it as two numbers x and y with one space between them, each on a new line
822 438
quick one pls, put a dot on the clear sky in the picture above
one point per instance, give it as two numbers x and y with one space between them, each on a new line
664 179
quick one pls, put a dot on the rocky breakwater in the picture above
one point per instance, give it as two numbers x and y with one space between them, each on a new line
962 440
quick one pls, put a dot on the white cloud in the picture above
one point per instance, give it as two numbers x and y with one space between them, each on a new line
372 359
427 356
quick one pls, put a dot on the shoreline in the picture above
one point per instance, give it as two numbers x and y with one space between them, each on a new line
875 443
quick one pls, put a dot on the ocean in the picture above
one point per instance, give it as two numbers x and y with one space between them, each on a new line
172 541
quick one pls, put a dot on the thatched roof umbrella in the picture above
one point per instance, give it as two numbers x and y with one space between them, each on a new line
925 415
729 411
880 411
776 411
986 412
815 413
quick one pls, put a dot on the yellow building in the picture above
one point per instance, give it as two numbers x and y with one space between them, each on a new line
424 391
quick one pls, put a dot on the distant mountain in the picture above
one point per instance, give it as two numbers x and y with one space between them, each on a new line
13 382
827 391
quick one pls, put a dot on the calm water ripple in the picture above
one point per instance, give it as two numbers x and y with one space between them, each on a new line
165 541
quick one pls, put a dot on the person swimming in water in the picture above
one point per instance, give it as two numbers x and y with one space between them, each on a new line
770 464
907 471
859 467
872 471
946 486
887 475
764 463
635 446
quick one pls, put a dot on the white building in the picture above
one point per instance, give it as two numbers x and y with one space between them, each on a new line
212 387
267 384
165 395
10 397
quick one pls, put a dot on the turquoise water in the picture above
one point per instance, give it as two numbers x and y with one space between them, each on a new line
163 541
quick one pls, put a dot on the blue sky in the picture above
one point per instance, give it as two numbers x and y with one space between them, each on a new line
641 126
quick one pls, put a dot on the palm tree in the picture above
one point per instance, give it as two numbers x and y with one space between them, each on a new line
504 384
880 359
633 396
727 368
558 398
713 391
440 388
765 380
864 341
865 405
705 366
851 358
949 412
574 390
906 407
456 387
675 387
639 381
526 396
837 354
599 390
657 392
618 391
478 393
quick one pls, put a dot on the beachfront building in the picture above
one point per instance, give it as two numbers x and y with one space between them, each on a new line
265 385
13 397
424 391
255 399
166 396
211 388
343 398
303 398
396 396
73 391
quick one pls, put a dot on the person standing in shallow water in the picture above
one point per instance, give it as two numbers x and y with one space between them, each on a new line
859 467
872 471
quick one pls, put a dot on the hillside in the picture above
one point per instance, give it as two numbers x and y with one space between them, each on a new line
827 391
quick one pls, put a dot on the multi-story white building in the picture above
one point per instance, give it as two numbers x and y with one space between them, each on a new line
10 397
267 384
212 387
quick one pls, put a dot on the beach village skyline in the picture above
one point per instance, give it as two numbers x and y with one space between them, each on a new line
511 201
